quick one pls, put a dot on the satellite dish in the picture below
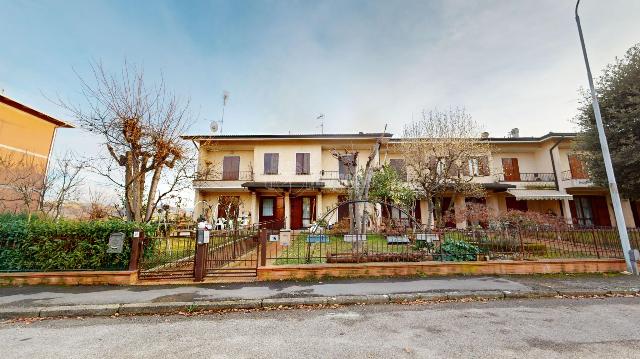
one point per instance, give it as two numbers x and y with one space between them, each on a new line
214 126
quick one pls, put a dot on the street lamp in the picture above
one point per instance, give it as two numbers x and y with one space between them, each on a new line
613 186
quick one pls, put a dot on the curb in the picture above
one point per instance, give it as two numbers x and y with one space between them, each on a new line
176 307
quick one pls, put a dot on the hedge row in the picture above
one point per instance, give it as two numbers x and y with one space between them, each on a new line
45 245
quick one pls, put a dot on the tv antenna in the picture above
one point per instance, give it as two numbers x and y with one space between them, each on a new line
225 98
321 118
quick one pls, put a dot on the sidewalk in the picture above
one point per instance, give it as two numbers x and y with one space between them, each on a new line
34 301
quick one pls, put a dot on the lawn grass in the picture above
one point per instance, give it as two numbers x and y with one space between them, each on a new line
301 252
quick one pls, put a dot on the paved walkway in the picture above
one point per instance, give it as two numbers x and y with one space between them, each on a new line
43 296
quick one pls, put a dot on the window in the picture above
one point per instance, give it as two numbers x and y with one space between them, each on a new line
347 166
474 167
583 210
302 163
228 206
306 212
267 207
400 167
230 168
271 163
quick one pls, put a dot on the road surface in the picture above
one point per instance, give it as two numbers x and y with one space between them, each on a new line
543 328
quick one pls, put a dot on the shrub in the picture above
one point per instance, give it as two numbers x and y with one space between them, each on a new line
45 245
457 250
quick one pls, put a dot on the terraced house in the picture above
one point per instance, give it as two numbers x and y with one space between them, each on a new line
292 180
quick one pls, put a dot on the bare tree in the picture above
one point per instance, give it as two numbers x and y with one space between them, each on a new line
22 182
140 126
358 182
26 185
61 184
443 153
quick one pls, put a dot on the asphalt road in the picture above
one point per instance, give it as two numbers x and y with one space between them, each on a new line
544 328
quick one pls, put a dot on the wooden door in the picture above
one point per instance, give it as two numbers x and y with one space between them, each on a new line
343 211
515 205
511 169
231 168
296 213
272 211
600 210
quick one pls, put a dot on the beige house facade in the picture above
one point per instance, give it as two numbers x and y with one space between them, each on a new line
293 180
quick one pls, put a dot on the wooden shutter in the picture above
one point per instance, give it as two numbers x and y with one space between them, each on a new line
576 168
231 168
400 167
271 163
600 210
483 164
303 163
511 169
346 165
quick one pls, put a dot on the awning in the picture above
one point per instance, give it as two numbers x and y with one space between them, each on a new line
538 194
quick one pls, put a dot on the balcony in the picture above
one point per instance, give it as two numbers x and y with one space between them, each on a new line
570 180
333 175
225 176
534 177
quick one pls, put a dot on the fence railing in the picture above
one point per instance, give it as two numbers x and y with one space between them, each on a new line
449 245
527 177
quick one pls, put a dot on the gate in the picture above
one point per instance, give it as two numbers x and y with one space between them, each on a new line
233 254
167 258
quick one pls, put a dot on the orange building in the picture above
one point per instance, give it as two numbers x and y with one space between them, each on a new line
26 141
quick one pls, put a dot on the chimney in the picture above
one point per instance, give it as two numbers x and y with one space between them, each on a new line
514 133
484 135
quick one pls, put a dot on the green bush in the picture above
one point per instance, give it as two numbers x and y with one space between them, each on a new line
457 250
45 245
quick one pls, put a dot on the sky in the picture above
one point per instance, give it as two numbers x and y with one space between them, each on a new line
363 64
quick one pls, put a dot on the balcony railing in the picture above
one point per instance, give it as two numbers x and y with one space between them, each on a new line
528 177
568 176
333 175
226 176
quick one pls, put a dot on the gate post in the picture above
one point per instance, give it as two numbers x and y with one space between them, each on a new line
136 249
263 247
199 261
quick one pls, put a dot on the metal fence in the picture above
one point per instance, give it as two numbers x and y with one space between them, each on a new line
167 257
448 245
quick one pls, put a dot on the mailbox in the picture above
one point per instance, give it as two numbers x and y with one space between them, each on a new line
202 233
115 242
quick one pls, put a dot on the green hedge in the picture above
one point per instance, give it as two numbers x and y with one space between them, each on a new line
45 245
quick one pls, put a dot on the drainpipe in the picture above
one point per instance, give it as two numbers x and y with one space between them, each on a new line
555 175
553 162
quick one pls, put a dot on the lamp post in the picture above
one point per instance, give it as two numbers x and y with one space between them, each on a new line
613 186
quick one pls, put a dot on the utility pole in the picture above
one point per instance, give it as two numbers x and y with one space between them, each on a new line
613 186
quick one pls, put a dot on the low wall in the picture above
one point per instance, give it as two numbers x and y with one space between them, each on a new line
312 271
70 278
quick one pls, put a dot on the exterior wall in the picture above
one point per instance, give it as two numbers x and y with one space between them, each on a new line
24 132
26 141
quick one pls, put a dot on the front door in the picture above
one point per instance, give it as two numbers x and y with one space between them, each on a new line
272 211
302 212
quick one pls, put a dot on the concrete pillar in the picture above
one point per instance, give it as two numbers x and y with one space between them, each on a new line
424 215
287 211
612 214
566 210
255 210
492 205
460 207
319 211
628 214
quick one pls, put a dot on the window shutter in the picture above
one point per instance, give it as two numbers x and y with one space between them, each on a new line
231 168
271 163
302 163
483 164
307 163
400 167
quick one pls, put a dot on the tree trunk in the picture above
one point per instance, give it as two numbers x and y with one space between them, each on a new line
152 193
